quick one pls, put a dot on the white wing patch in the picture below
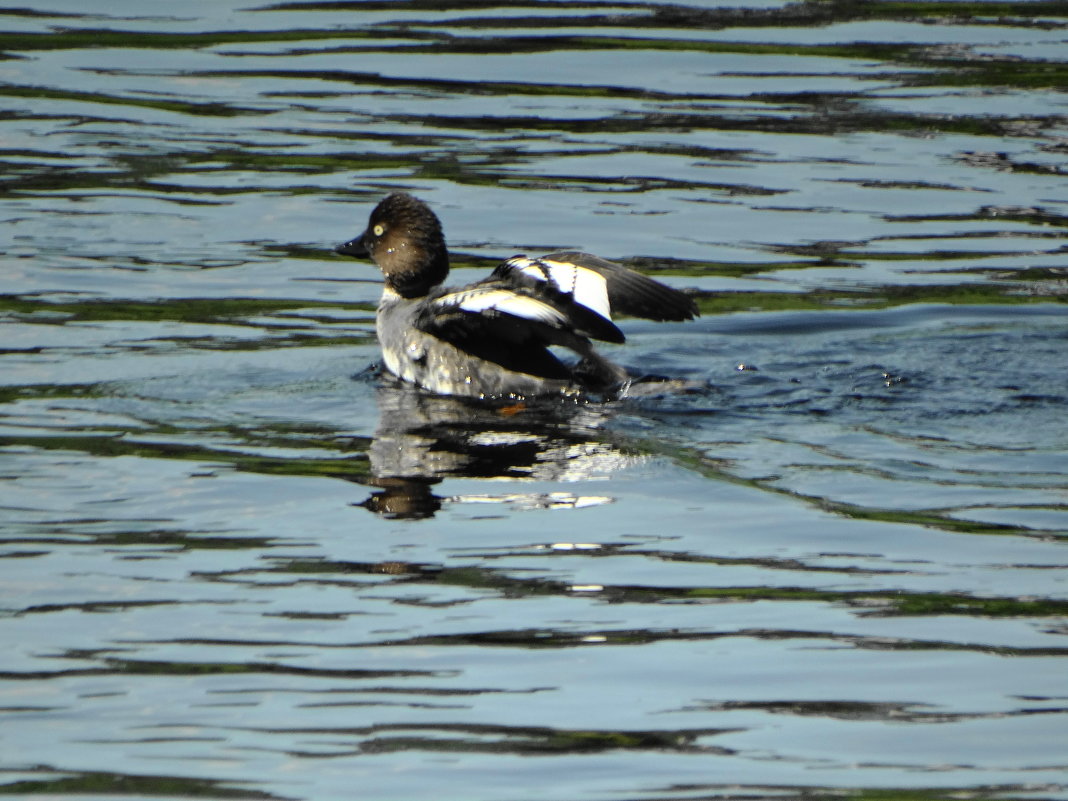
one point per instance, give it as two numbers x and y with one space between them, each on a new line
502 300
587 287
531 267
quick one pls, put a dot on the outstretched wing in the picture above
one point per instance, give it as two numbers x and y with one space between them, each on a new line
599 285
527 305
565 281
524 310
513 327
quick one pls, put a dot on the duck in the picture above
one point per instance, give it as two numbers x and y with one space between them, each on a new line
494 339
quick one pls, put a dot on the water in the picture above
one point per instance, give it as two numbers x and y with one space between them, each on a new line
826 559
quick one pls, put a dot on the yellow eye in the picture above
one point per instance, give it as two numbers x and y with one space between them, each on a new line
378 230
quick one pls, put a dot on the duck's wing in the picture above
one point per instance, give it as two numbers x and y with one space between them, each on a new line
516 311
599 285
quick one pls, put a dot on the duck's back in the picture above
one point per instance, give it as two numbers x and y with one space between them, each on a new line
475 367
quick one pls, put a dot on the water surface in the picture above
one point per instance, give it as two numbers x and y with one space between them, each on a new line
826 559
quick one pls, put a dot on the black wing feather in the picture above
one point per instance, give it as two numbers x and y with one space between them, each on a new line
515 342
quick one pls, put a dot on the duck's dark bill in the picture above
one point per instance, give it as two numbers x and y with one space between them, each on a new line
354 247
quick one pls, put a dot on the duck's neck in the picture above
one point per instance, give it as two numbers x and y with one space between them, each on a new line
419 282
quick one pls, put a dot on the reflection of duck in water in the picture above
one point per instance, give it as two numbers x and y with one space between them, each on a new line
423 438
492 339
